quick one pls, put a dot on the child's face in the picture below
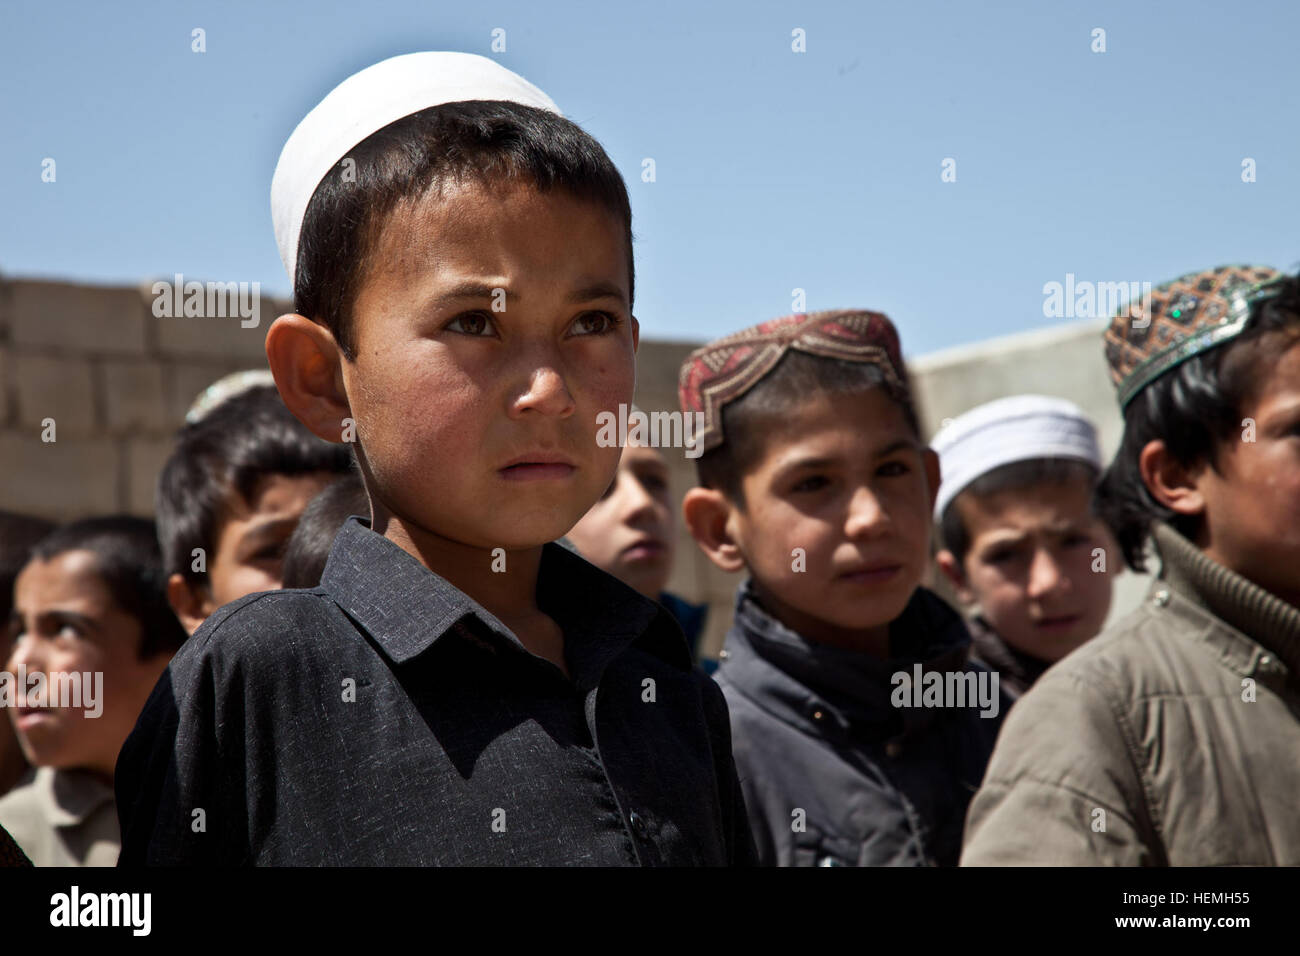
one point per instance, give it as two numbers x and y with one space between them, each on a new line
1030 565
845 479
630 531
65 621
1252 503
475 424
252 535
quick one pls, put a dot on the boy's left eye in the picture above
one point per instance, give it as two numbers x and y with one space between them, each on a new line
471 323
602 321
272 552
892 469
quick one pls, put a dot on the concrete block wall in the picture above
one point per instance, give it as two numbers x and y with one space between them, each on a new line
115 379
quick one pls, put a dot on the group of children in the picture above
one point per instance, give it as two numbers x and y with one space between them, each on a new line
473 659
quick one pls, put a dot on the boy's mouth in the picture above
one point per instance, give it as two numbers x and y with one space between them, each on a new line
31 716
1061 622
871 574
539 466
643 549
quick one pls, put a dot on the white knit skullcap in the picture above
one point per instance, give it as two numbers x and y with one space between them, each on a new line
365 103
1018 428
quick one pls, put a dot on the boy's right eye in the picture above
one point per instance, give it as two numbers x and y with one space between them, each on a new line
811 483
471 323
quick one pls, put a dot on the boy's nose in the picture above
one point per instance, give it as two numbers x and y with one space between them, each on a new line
635 497
27 654
1044 574
547 392
865 514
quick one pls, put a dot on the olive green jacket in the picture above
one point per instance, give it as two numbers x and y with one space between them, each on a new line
1173 738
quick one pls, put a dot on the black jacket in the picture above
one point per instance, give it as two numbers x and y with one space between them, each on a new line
833 772
386 718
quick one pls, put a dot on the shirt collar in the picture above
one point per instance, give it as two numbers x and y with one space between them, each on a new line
406 607
70 796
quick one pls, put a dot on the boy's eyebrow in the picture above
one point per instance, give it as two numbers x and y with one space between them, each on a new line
1009 537
825 461
476 289
598 290
998 539
1285 413
264 531
468 289
902 444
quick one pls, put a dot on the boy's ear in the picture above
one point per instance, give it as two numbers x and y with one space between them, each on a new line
951 569
307 365
1173 485
707 514
192 604
930 462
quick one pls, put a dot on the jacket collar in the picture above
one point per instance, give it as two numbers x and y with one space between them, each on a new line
406 608
1265 620
1018 669
70 796
814 687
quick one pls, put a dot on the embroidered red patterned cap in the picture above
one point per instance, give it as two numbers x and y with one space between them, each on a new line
1189 315
724 370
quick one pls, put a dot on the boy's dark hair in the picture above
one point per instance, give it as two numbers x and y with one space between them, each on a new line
483 141
1013 476
18 535
309 545
791 382
242 440
129 562
1194 409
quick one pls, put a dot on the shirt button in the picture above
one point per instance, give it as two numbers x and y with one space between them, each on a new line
818 715
638 825
893 748
1162 598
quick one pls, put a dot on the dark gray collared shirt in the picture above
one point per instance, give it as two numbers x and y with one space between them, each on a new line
387 718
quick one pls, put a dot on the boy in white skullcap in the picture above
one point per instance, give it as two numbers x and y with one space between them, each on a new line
1020 542
459 689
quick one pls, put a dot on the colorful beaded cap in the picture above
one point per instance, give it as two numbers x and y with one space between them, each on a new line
1193 313
723 371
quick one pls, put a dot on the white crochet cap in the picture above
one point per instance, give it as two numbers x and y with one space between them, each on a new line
998 433
365 103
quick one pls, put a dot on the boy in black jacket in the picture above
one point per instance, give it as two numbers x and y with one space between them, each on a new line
860 729
458 690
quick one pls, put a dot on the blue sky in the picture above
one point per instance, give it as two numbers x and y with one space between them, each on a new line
775 170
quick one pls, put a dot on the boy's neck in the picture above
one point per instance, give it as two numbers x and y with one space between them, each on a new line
509 593
873 641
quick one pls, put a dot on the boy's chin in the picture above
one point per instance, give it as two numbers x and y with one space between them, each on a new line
862 614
